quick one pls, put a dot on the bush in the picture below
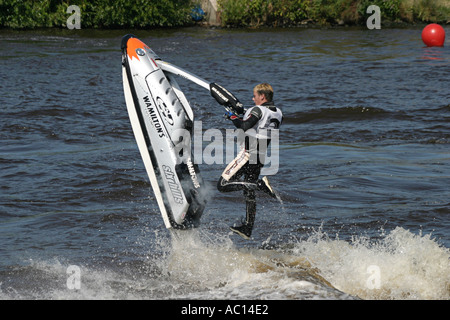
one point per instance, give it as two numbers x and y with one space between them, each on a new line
254 13
96 13
238 13
431 11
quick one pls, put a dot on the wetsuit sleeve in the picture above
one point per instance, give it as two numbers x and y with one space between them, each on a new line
250 122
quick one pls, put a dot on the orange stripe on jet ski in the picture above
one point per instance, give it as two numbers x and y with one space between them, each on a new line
132 45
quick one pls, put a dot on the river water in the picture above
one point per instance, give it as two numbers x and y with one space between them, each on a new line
364 169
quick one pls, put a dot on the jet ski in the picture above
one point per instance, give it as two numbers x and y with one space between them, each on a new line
159 114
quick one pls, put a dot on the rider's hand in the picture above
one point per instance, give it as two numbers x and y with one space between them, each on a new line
231 115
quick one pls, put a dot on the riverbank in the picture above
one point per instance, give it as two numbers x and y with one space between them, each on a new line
103 14
30 14
285 13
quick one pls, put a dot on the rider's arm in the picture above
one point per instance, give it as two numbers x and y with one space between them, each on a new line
250 122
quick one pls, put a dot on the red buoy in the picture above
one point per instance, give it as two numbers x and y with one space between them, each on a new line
433 35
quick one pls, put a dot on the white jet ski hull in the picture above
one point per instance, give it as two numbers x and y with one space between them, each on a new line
159 114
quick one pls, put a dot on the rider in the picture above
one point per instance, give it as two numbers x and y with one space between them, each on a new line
257 122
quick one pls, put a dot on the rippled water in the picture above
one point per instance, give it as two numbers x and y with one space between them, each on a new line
364 171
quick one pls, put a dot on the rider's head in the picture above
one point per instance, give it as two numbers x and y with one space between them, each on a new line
262 93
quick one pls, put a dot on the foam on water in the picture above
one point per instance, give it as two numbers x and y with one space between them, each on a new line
227 272
200 265
400 265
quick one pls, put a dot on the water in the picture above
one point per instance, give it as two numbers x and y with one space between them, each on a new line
363 178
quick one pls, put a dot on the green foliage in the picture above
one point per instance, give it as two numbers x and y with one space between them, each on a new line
390 9
239 13
233 12
290 11
96 13
431 11
253 13
351 11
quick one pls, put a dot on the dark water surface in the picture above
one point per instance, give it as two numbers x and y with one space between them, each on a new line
364 172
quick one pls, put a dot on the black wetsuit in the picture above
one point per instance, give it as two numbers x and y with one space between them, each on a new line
243 173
